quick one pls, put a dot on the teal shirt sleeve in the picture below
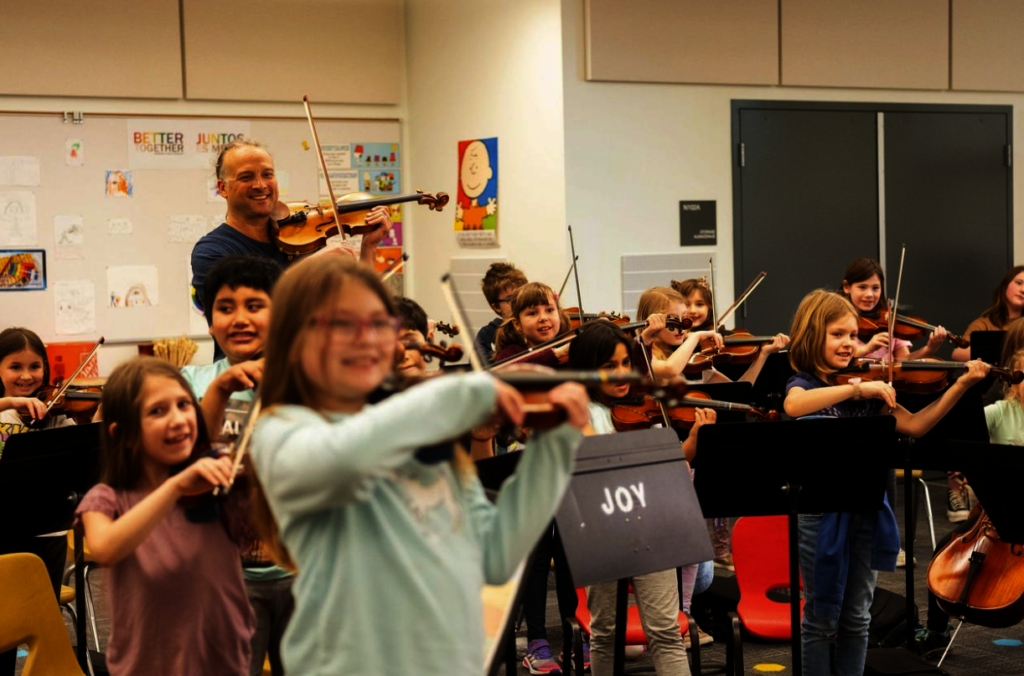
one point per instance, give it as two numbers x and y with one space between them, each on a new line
308 462
993 416
508 530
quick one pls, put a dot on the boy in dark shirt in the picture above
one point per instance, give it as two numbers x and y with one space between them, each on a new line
499 286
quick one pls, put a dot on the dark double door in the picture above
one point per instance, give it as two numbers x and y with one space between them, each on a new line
816 185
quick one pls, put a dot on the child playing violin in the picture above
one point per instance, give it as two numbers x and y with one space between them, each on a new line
24 369
823 342
1007 306
178 604
864 286
392 551
603 346
499 286
698 301
536 317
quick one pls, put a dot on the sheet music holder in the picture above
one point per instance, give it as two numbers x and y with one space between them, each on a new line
43 477
770 386
987 346
794 467
630 509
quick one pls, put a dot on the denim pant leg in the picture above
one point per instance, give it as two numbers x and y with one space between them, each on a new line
851 629
855 617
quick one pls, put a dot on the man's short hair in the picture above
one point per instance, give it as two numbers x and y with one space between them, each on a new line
501 276
412 314
249 270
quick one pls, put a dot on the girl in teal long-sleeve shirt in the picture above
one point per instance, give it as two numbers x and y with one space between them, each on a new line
392 550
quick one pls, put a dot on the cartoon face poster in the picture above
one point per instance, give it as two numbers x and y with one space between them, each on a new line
476 207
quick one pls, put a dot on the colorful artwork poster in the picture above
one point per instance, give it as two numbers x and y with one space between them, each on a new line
22 270
386 255
132 286
395 238
376 156
155 143
384 182
476 207
118 183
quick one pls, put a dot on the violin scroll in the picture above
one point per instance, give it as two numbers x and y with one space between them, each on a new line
450 330
434 202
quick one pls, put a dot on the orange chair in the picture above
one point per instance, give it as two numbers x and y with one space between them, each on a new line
761 556
579 626
27 615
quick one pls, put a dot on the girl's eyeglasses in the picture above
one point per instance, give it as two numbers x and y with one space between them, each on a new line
348 328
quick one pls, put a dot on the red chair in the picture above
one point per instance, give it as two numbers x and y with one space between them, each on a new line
761 556
579 627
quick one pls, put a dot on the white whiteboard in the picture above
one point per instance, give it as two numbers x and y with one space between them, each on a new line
158 194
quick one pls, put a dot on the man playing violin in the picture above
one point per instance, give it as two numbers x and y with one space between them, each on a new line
247 181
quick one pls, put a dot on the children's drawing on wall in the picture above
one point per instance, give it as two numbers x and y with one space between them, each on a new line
17 219
23 270
119 226
381 182
376 156
20 170
476 209
119 183
74 152
69 236
75 307
130 286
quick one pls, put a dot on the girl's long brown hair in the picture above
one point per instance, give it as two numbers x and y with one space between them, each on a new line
122 401
817 310
998 313
861 270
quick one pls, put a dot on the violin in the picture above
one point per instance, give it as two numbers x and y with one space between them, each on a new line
56 398
447 329
918 376
452 353
303 227
640 414
739 347
576 317
907 328
980 578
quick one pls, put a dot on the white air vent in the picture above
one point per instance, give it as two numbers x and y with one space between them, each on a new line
467 273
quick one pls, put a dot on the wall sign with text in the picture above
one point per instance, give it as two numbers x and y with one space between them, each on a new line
698 223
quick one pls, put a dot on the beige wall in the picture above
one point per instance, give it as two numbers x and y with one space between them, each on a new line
632 151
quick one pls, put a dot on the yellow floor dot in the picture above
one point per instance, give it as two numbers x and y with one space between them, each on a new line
769 667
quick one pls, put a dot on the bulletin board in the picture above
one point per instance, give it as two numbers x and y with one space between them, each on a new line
118 265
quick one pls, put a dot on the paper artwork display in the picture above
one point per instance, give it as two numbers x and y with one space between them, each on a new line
74 152
118 183
69 237
18 219
476 206
395 238
180 144
119 226
343 182
376 156
131 286
381 182
186 228
22 270
74 307
19 170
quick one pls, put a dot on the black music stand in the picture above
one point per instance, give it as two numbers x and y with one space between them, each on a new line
629 510
43 477
770 386
793 467
987 346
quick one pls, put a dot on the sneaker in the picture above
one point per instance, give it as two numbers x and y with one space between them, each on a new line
726 562
702 638
586 657
635 652
956 506
972 499
931 644
539 660
901 559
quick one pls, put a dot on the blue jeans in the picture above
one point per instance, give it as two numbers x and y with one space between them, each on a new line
851 629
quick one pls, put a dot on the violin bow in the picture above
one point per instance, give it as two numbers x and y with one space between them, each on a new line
323 162
241 443
742 298
32 424
893 312
712 289
565 281
397 265
575 273
476 359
